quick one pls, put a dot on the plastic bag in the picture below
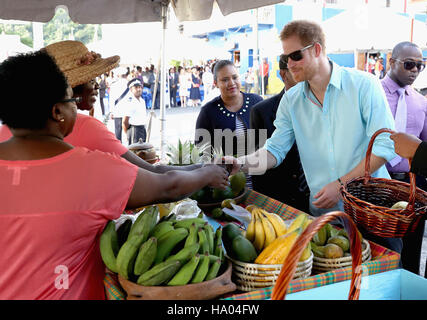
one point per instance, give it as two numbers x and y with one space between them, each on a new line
186 209
239 213
120 220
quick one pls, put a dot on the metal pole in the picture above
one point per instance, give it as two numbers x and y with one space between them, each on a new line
163 79
256 55
37 35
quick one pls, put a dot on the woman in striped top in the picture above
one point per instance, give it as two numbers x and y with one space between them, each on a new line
224 121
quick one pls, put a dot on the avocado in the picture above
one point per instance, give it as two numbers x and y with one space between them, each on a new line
243 250
198 195
229 232
237 182
216 213
219 195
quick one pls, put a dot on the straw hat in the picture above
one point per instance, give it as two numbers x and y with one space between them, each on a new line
78 63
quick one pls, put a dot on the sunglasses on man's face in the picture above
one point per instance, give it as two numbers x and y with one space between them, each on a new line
296 55
409 65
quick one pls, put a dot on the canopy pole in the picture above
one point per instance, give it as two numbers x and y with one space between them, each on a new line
163 80
255 55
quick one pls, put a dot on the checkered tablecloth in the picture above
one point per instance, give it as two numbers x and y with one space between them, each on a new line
382 260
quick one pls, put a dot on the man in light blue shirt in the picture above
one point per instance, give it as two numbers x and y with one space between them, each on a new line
331 114
333 136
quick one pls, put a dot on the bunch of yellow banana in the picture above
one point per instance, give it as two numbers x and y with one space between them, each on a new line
278 250
264 228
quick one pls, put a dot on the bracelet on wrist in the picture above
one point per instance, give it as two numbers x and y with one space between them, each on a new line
339 180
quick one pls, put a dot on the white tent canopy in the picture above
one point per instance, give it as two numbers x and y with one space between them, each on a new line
123 11
363 29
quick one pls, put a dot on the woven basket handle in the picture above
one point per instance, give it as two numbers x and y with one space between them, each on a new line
290 264
412 181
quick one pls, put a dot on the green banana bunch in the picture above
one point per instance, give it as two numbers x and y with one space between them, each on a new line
213 270
185 253
210 237
161 228
145 258
192 235
167 242
186 223
144 223
108 245
159 274
213 258
203 241
184 275
202 269
218 237
126 257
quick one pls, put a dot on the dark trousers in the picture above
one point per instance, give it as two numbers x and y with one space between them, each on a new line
101 102
155 104
135 133
412 242
173 98
265 83
118 128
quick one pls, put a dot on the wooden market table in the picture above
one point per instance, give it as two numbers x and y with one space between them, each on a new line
382 260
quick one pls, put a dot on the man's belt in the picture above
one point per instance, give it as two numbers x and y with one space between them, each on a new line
399 175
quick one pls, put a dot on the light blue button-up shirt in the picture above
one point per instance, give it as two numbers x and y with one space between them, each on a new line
334 138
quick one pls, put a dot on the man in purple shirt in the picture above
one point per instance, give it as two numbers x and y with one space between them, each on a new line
409 109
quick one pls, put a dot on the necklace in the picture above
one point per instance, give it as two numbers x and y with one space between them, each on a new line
229 113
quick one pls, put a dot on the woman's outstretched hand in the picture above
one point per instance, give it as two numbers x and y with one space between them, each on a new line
405 144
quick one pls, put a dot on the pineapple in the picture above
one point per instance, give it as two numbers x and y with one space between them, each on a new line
187 152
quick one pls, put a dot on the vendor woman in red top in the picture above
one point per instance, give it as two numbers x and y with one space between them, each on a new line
55 198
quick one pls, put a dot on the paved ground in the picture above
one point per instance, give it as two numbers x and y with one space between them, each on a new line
180 123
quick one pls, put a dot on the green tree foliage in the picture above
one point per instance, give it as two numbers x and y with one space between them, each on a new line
25 31
61 27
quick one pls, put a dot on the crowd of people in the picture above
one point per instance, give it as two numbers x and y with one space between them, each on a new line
311 137
188 86
375 65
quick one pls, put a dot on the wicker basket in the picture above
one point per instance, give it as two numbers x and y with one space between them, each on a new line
251 276
368 201
325 265
290 264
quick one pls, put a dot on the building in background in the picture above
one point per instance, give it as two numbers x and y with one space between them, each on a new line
354 31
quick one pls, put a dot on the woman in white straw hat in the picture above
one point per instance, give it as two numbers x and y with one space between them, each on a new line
81 67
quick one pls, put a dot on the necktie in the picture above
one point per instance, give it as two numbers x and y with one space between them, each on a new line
400 119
